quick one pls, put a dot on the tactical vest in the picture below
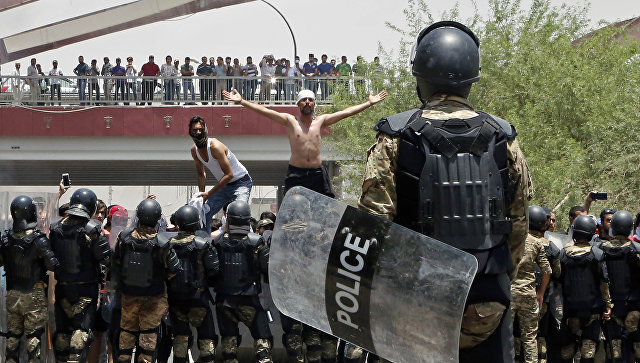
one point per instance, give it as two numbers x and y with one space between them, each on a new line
191 279
74 251
23 264
142 270
624 273
581 283
452 182
239 274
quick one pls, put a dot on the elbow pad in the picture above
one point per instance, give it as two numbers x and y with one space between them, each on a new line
211 262
101 249
173 263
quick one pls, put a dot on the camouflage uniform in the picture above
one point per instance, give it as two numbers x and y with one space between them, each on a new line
524 306
77 292
189 304
142 308
27 306
546 322
379 196
237 294
582 323
626 306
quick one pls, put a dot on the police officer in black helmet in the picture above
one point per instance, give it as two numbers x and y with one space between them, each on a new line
242 260
143 261
456 174
84 253
188 295
26 255
622 259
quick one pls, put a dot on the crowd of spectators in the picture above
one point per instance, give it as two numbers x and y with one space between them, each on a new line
271 78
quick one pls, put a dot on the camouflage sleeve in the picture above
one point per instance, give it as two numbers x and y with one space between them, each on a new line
606 296
379 184
522 189
555 267
542 260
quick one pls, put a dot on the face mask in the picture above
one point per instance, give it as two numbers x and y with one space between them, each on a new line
200 139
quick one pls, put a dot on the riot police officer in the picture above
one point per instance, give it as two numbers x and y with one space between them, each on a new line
188 293
242 259
26 255
585 292
623 266
143 260
84 254
459 176
526 300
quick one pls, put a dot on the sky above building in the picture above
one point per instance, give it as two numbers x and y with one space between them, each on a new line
350 28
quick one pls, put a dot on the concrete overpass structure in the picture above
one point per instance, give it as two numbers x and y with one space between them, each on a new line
142 145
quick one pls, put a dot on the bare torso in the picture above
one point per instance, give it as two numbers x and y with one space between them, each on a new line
305 140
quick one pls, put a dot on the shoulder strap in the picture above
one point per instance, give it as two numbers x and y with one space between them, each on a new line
505 126
394 124
425 128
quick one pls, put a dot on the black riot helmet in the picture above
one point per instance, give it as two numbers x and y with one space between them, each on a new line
187 218
446 59
148 212
584 227
23 212
238 213
83 203
538 218
621 223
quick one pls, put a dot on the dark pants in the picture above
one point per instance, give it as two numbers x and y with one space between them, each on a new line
94 87
205 91
147 90
55 88
316 179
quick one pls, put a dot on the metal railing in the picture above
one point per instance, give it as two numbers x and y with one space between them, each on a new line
137 91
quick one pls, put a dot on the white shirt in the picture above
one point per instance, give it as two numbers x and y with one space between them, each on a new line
55 72
237 168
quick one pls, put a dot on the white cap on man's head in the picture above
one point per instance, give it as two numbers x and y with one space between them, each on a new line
305 93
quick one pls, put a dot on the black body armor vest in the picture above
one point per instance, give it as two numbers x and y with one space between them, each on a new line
142 270
190 281
73 248
239 271
452 182
624 275
581 283
23 261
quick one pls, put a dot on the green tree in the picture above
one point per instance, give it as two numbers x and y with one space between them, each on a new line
574 101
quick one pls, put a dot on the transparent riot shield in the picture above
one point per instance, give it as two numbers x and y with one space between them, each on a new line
376 284
561 240
119 221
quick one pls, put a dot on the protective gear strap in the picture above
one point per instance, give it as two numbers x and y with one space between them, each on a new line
394 124
36 334
484 137
435 138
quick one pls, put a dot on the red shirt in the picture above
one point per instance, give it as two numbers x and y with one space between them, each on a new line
150 69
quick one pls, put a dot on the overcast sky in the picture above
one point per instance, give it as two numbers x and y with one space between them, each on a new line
334 27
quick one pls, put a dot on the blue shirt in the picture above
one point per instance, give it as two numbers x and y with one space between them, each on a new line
325 68
309 67
82 69
204 70
219 70
118 71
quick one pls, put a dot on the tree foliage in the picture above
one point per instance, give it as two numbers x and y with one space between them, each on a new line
574 101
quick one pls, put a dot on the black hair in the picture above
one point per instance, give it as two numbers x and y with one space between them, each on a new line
576 209
216 223
62 210
268 215
194 120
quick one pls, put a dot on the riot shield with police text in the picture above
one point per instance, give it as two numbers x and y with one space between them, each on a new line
364 279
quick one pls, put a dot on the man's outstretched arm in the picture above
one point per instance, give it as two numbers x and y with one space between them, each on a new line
235 97
332 118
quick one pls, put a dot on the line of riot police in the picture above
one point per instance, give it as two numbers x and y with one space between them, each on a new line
594 291
148 275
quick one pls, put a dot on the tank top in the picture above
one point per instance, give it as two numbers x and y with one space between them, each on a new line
237 168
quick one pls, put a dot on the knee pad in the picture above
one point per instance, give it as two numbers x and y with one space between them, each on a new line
207 348
262 348
567 352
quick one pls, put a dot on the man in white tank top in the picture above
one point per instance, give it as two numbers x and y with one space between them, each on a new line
234 181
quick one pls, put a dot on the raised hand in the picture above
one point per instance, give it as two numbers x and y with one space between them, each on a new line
377 98
233 96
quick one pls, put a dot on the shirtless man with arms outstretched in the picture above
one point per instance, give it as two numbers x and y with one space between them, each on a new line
305 164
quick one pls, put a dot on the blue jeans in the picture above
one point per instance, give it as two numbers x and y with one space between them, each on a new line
187 86
82 85
169 88
250 89
240 190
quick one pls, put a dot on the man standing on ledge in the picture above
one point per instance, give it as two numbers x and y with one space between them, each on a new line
234 181
305 164
306 169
